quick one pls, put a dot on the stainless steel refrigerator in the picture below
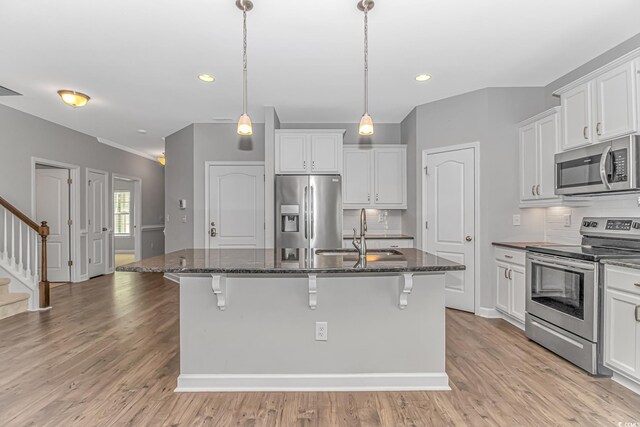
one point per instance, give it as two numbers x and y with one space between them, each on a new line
308 211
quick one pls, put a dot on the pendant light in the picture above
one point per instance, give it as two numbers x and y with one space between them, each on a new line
244 123
366 122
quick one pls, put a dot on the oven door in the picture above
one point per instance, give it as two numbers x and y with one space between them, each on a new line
600 168
563 291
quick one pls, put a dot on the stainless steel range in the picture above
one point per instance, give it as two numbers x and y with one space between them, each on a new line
565 289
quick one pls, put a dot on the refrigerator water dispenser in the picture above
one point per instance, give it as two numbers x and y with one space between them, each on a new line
290 218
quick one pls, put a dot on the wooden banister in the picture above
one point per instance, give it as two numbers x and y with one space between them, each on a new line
43 232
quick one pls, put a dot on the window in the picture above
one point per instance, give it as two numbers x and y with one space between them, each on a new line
122 213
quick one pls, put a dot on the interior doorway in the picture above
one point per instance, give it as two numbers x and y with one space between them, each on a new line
450 194
126 213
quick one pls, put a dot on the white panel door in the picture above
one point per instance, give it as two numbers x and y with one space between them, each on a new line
528 162
616 102
52 205
576 117
236 206
389 177
292 153
517 279
547 131
503 287
622 332
326 155
450 200
356 178
97 222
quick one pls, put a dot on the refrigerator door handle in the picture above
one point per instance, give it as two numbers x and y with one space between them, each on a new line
306 221
312 212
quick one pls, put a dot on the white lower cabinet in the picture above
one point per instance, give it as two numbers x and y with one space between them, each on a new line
511 283
622 321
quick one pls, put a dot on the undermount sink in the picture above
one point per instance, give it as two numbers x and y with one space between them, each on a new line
337 252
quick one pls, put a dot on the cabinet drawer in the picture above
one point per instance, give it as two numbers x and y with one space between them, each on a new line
514 257
624 279
391 243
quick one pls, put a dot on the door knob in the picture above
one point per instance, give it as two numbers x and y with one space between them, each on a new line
468 238
104 228
213 232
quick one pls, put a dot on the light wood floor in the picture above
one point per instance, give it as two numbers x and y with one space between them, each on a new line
107 354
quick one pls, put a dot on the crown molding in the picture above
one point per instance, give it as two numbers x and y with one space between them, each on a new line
595 73
125 148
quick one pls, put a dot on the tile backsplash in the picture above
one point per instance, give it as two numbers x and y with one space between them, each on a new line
391 221
557 231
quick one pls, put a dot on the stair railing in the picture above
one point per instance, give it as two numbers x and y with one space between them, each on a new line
19 248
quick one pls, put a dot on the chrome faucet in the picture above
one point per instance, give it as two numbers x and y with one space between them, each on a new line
361 244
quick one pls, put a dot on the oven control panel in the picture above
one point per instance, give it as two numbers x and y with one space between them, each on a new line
604 227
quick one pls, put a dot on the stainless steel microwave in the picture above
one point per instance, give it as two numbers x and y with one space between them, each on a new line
606 167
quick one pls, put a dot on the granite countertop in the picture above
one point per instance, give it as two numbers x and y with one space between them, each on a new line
287 261
522 245
374 236
629 263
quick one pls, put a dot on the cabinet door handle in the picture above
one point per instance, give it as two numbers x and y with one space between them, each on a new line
599 128
637 284
377 198
637 313
510 276
508 256
304 164
533 190
368 197
506 270
538 189
584 132
313 165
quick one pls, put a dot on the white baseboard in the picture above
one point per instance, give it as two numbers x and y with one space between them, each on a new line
125 251
173 277
489 313
313 382
515 322
626 382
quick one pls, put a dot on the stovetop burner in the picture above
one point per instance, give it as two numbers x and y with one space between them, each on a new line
585 252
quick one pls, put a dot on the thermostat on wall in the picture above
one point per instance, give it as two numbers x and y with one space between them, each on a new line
182 203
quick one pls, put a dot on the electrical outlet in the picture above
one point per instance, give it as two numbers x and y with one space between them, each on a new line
168 218
321 331
567 220
380 217
516 220
184 219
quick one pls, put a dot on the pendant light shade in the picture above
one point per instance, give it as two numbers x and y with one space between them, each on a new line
366 125
244 123
366 122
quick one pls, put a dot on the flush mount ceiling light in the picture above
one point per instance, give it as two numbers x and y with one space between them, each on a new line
423 77
366 122
73 98
244 123
206 78
162 159
142 131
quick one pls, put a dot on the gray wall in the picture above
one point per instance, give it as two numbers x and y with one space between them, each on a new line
126 243
179 185
599 61
385 133
490 117
23 136
187 151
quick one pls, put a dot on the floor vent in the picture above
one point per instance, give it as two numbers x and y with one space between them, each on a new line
8 92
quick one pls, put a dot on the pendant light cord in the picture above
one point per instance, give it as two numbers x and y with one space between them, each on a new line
244 60
366 56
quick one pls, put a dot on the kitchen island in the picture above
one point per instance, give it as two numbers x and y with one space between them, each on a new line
253 319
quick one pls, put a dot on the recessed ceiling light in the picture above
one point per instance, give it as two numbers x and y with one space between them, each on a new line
423 77
206 78
73 98
142 131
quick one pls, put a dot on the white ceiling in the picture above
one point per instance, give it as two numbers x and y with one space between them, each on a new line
139 60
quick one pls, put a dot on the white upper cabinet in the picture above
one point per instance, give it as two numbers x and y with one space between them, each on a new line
616 102
528 162
375 177
538 145
600 106
308 152
390 178
326 153
292 151
576 116
356 178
